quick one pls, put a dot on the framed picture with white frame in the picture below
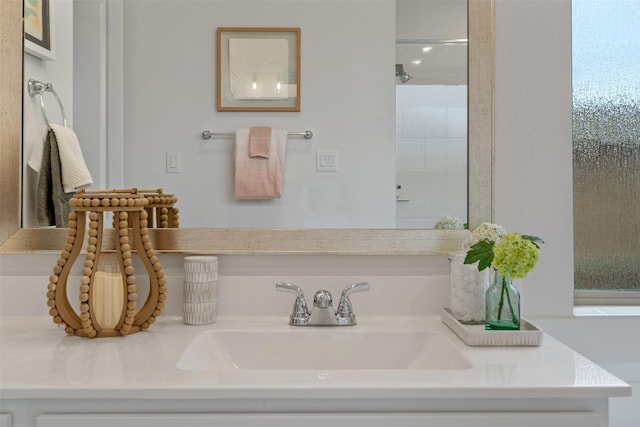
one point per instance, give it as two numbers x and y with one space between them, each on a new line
38 29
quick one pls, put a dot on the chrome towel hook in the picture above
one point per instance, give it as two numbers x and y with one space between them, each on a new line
35 87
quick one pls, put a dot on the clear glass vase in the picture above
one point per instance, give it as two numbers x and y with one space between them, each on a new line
502 304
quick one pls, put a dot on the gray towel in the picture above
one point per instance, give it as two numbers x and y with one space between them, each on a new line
52 203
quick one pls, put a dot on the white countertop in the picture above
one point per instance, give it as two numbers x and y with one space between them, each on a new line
38 360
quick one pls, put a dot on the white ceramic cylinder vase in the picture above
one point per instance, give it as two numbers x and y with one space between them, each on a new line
467 287
200 290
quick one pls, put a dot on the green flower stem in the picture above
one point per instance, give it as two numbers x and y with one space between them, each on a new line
503 290
501 303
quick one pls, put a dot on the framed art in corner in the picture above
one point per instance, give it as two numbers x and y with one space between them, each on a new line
258 69
38 29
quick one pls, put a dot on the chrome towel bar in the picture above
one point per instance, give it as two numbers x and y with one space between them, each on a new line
307 134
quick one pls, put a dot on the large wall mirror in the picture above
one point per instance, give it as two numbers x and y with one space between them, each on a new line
348 238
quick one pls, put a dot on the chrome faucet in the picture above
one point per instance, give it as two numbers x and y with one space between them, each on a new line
300 314
322 313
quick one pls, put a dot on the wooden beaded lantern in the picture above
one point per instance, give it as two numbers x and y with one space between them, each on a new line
161 210
131 235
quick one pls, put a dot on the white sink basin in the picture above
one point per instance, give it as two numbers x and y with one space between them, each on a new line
330 348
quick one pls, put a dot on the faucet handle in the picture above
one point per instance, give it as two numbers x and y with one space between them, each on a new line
322 299
344 313
300 313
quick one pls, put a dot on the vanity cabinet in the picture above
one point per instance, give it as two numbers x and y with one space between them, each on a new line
477 419
238 412
48 379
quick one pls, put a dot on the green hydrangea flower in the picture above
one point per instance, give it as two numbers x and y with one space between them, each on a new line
514 255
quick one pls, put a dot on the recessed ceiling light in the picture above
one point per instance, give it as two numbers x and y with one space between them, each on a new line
427 49
416 62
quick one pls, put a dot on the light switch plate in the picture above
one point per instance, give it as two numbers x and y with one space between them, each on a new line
173 162
327 161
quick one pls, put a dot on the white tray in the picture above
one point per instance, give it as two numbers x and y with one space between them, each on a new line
476 335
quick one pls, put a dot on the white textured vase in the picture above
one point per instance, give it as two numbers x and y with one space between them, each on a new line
200 290
467 287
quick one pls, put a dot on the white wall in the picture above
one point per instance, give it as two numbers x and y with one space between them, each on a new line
90 85
533 157
347 100
433 19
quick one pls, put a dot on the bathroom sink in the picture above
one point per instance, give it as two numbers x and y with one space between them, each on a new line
321 349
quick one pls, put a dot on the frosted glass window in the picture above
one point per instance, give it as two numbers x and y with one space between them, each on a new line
606 143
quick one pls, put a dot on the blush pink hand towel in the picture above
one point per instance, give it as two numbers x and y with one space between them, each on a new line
259 178
260 142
